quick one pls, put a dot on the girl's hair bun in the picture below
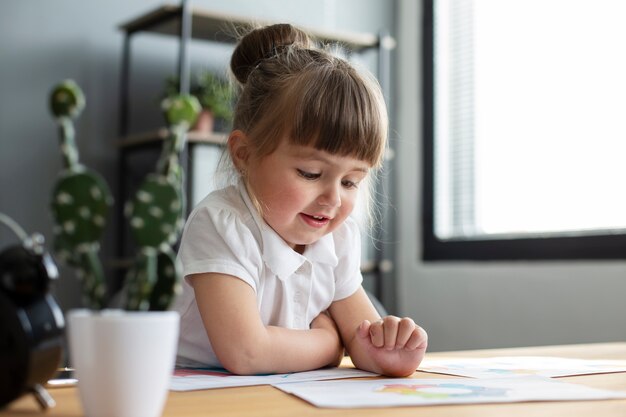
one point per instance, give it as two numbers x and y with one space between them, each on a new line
263 43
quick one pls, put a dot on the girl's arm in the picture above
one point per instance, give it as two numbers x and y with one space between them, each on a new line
244 345
390 346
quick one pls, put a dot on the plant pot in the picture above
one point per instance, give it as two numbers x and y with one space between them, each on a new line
205 122
123 360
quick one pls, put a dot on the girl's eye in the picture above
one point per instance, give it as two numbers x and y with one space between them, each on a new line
349 184
308 175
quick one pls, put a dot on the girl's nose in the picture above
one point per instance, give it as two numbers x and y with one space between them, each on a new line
330 196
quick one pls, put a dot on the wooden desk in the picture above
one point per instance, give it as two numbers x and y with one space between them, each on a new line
269 401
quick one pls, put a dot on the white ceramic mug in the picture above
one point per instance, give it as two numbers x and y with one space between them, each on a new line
123 360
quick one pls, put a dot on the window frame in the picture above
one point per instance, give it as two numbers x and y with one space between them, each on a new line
588 247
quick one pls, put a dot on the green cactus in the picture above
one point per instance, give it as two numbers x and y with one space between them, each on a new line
169 284
81 201
155 212
181 111
80 205
156 215
153 281
67 100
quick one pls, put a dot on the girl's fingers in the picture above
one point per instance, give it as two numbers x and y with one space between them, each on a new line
390 331
364 328
394 333
418 338
377 334
405 330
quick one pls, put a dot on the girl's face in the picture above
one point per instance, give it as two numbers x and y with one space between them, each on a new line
305 193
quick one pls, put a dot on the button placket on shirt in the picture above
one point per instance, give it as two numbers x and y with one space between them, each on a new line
301 294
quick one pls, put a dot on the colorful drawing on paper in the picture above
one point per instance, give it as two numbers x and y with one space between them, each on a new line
433 391
442 391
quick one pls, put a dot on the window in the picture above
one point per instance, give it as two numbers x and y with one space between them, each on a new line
524 139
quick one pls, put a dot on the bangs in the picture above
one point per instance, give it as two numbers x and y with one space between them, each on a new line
330 107
338 114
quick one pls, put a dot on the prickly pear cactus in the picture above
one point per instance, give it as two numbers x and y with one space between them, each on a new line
156 216
67 100
80 200
80 205
146 293
181 111
155 212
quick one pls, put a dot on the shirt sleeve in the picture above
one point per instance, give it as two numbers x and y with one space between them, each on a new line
217 240
348 277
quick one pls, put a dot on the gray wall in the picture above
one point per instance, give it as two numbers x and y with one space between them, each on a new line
44 42
466 305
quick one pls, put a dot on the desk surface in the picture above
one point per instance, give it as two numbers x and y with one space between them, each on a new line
269 401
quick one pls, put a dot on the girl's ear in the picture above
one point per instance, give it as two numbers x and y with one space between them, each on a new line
239 149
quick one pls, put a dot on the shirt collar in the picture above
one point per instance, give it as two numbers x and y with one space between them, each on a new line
277 254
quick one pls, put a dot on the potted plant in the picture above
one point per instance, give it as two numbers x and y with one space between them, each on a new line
214 94
123 357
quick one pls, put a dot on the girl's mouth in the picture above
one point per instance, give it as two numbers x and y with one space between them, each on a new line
315 221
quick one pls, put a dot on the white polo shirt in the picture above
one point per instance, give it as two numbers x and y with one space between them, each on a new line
225 234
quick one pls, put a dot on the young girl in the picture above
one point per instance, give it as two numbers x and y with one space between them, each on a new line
271 264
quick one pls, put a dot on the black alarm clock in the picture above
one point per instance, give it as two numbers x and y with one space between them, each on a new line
31 322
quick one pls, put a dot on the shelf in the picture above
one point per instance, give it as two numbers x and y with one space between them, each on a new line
211 26
159 135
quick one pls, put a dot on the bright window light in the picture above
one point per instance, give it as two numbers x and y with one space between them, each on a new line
530 103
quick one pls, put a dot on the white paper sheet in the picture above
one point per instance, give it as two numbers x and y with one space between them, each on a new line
435 391
508 366
199 379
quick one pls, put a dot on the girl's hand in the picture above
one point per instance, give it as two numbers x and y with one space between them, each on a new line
324 322
396 346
